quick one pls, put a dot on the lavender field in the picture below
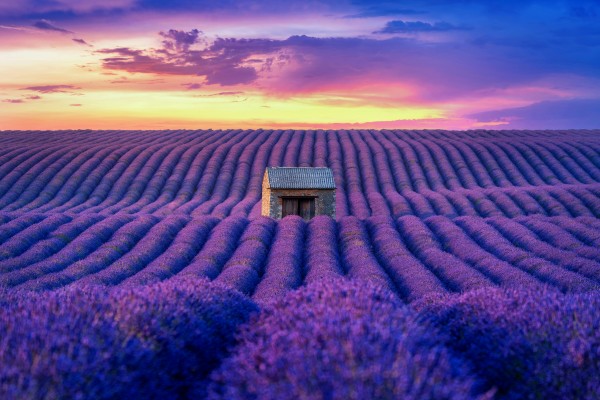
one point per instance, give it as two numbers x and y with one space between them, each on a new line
460 265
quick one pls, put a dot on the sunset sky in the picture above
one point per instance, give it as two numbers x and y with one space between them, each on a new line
157 64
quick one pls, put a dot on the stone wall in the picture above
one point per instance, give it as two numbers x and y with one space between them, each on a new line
324 200
266 194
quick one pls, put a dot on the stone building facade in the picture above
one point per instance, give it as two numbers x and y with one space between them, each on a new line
302 191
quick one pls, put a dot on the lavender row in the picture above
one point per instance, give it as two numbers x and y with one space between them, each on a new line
267 258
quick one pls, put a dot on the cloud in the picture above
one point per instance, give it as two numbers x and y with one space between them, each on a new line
372 9
81 41
376 12
46 25
425 123
41 7
87 6
418 26
180 40
76 105
220 94
192 86
22 100
125 80
406 69
559 114
301 64
221 63
16 28
46 89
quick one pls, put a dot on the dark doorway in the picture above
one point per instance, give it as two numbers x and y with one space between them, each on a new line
302 206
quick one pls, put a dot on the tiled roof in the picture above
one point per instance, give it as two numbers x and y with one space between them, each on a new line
300 178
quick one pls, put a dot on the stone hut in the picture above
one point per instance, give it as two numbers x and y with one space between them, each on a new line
302 191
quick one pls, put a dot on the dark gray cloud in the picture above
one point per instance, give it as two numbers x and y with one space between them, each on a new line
559 114
418 26
46 25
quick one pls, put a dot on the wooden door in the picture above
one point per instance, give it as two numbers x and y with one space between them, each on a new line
306 208
289 207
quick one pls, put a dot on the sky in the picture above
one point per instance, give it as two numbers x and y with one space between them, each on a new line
299 64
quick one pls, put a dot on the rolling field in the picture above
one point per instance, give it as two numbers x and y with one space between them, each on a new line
491 239
219 173
418 211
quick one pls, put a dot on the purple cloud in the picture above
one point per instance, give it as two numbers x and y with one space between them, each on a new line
22 100
46 89
379 11
418 26
221 63
432 72
180 40
81 41
559 114
26 8
440 70
192 86
46 25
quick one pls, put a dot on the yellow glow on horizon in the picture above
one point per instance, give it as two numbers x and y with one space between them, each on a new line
113 109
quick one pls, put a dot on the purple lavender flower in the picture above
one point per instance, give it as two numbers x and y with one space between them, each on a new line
154 341
340 340
528 343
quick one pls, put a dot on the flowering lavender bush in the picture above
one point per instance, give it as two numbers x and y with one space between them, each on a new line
340 340
154 341
529 344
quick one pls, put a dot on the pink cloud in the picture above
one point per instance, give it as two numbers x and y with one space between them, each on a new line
46 89
301 65
192 86
431 123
